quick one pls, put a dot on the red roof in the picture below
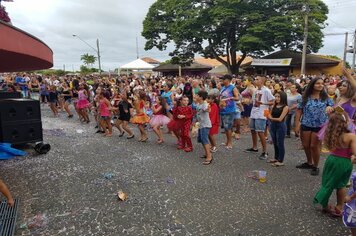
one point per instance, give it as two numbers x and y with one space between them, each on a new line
20 51
150 60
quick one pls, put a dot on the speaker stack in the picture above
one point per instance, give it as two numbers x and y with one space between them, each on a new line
5 95
20 121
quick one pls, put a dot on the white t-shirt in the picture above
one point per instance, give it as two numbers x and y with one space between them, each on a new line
55 83
264 95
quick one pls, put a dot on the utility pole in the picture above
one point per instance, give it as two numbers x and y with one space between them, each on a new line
345 49
354 52
305 43
137 54
98 51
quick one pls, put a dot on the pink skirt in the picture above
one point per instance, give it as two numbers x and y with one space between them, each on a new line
159 120
82 104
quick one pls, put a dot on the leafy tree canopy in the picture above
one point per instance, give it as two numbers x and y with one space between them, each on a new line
87 59
216 28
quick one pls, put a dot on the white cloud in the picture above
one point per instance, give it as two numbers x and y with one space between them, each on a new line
117 23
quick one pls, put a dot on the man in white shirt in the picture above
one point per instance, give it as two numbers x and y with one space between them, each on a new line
262 98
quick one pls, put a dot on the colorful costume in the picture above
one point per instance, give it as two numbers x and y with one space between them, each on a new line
104 109
140 118
336 174
351 111
182 126
82 100
214 118
349 213
159 118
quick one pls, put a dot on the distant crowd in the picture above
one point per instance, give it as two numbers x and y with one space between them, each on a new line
318 110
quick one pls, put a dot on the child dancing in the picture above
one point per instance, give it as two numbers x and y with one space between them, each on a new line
202 108
141 118
122 123
338 166
180 125
159 117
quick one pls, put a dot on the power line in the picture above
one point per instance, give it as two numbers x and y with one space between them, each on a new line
347 28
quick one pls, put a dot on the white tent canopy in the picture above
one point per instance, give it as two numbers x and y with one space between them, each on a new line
137 65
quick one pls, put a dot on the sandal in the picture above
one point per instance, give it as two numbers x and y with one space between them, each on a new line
336 212
144 140
160 141
272 161
328 210
278 164
121 134
208 162
203 157
228 147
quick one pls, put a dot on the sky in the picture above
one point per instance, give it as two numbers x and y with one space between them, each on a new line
117 24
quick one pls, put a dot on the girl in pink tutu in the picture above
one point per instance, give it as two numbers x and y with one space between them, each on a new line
83 103
159 117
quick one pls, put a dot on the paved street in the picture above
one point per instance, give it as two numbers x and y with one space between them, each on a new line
170 192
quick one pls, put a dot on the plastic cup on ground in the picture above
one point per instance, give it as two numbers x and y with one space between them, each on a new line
262 176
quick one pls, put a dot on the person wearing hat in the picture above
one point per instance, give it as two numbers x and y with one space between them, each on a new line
228 97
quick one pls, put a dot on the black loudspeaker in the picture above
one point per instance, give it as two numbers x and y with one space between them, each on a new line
19 110
6 95
21 132
20 121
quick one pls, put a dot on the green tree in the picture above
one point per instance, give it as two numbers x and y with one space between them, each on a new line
348 66
88 60
217 28
85 70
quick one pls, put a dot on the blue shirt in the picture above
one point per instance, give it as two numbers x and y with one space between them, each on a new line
314 112
167 96
227 92
21 80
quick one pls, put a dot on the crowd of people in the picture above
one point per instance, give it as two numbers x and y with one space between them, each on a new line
318 110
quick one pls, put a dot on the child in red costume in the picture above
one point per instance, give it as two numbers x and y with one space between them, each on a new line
180 125
215 122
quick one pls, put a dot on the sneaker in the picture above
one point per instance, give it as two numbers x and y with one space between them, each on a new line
263 156
315 171
213 149
251 150
304 165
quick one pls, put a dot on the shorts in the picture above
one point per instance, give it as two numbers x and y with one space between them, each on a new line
258 125
247 111
312 129
104 117
203 136
237 115
228 120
